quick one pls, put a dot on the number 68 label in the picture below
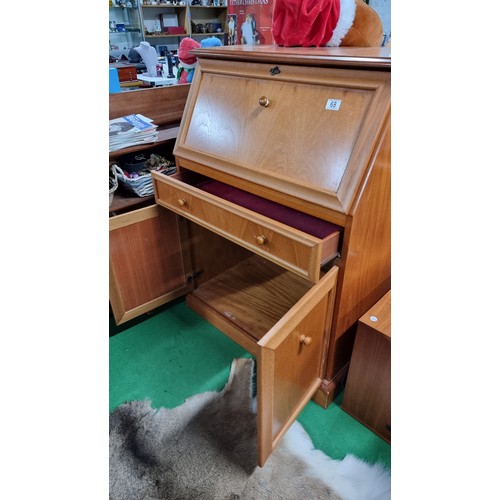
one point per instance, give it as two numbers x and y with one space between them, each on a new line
333 104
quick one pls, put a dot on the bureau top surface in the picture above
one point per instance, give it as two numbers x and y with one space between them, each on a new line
351 57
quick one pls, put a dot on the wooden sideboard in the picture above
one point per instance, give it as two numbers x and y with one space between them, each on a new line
278 219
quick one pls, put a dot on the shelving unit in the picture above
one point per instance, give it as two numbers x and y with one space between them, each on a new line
206 16
125 29
150 23
157 18
164 105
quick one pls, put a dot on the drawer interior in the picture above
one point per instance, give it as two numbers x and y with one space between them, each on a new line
319 228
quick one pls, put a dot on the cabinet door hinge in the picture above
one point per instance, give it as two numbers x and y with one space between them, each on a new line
192 276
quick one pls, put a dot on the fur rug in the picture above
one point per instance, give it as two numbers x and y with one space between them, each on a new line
205 449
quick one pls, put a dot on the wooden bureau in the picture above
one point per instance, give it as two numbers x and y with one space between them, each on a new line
282 206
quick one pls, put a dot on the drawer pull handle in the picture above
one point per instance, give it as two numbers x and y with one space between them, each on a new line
182 202
264 101
305 340
261 239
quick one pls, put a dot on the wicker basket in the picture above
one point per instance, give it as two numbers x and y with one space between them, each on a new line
113 182
141 186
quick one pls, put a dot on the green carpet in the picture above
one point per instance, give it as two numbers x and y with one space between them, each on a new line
174 354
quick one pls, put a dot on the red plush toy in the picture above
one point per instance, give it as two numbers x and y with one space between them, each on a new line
187 62
316 23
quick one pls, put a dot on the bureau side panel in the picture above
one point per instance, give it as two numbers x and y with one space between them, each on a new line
365 265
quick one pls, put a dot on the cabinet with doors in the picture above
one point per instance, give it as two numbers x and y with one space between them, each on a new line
282 201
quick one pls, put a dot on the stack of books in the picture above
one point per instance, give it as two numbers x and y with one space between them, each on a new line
131 130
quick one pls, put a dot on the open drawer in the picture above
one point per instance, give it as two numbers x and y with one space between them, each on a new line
283 320
296 241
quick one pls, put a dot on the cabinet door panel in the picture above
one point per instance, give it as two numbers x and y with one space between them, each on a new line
290 362
148 261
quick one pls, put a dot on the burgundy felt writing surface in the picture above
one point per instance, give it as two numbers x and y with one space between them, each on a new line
294 218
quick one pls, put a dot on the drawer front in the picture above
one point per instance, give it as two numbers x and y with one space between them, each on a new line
292 249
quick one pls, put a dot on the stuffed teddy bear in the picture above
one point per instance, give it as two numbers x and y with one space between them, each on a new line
187 62
333 23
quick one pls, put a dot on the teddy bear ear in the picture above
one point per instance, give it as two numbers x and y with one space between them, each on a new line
366 30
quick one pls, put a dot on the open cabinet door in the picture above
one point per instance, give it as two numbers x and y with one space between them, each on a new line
290 362
149 261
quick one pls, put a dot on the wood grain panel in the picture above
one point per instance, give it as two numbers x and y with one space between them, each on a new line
365 264
253 295
368 391
146 261
164 105
270 147
289 368
261 142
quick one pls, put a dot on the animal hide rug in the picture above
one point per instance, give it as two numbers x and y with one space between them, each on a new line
205 449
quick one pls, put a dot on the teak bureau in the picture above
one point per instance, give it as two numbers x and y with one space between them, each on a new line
277 223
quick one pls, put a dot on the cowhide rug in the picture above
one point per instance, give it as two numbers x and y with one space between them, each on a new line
205 449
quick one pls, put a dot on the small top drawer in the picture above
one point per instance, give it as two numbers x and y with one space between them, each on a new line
296 241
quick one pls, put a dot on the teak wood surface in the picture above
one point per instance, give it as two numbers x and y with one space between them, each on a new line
145 270
164 105
368 391
313 162
334 165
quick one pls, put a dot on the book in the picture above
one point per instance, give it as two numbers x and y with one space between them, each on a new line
131 130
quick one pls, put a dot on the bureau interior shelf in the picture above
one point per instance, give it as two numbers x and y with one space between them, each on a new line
250 297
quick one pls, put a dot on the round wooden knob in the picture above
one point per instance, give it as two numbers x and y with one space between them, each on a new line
182 202
261 239
305 340
264 101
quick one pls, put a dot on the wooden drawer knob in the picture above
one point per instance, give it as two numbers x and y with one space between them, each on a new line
182 202
261 239
305 340
264 101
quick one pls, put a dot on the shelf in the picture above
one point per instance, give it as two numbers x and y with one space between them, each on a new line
164 135
163 6
166 36
127 32
124 201
256 291
206 35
